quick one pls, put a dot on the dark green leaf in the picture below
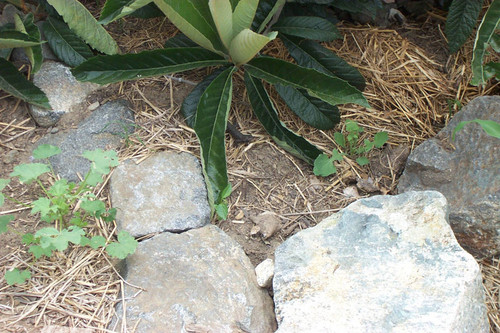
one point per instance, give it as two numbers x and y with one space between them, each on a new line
328 88
179 40
66 45
310 54
210 127
222 210
492 69
34 52
460 21
115 9
116 68
266 10
190 104
148 11
265 111
359 6
16 84
309 27
312 110
12 39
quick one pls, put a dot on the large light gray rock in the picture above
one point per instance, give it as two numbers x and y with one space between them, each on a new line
64 92
196 281
103 129
467 172
166 192
383 264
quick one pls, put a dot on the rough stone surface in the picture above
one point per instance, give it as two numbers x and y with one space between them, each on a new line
265 272
468 175
196 281
383 264
104 129
64 92
166 192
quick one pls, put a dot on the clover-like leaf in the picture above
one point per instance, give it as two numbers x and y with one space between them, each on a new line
126 245
97 241
4 221
323 166
43 206
16 276
102 160
45 151
39 251
29 172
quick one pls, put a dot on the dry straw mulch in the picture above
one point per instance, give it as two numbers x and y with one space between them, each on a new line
408 88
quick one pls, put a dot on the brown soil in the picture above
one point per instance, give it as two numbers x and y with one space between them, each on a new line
410 103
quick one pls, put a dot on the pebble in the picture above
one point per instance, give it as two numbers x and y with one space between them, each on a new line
265 272
10 156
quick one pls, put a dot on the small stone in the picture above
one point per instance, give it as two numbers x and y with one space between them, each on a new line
367 185
351 192
54 130
240 215
268 224
255 230
265 272
10 156
93 106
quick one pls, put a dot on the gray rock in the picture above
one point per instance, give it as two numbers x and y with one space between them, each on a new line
103 129
166 192
265 272
8 14
466 171
64 92
383 264
197 281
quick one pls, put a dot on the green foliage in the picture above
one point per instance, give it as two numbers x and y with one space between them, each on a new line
16 276
460 21
230 34
349 142
68 205
492 128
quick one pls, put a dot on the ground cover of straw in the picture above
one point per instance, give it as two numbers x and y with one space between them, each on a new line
409 86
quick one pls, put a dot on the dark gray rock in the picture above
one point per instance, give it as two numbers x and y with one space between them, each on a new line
197 281
103 129
166 192
383 264
64 92
467 172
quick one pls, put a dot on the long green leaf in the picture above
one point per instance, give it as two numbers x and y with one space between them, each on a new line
265 12
223 18
81 21
312 110
328 88
492 128
190 103
460 21
16 84
309 27
65 44
247 44
210 128
116 9
485 32
310 54
264 109
12 39
116 68
179 40
190 17
243 15
34 52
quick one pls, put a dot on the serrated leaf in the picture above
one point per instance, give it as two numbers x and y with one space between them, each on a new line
4 221
59 240
94 178
102 160
352 126
43 206
264 109
39 251
126 245
486 30
190 103
16 84
95 207
222 15
328 88
191 17
29 172
97 241
13 39
179 40
309 27
116 9
310 54
323 166
380 139
45 151
460 21
116 68
28 239
16 276
81 21
247 44
362 160
243 15
312 110
210 128
65 44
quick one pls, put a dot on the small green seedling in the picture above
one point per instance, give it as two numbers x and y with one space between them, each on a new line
323 165
68 206
221 208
